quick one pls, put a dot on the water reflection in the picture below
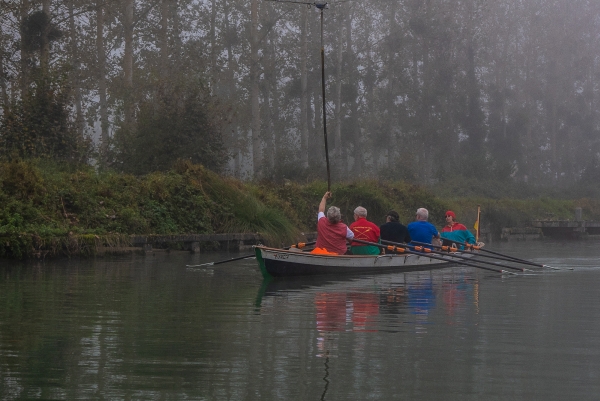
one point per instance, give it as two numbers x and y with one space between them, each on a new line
148 328
361 308
351 311
388 303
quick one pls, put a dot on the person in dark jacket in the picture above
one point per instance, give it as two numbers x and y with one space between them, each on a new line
393 230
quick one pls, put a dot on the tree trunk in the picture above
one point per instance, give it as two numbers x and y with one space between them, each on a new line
233 130
267 117
254 93
101 62
371 124
357 151
390 148
128 62
304 142
45 42
164 38
79 123
25 55
176 33
339 155
316 140
3 88
213 39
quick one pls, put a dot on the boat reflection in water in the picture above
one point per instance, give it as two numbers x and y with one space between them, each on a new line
358 311
352 311
390 303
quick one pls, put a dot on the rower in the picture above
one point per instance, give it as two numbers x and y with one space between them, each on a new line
331 232
456 232
393 230
366 231
421 230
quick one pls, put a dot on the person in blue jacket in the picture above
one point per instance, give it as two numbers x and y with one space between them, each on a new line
421 230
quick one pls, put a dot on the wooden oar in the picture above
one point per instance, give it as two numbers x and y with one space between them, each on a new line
445 248
507 258
521 269
426 253
299 245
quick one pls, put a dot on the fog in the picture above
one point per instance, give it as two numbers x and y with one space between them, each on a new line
420 90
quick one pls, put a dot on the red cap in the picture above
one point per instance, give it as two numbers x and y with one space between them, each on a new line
450 213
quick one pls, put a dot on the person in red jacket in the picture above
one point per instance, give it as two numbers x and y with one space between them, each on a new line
331 232
366 231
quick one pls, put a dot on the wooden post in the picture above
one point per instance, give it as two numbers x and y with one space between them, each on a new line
478 224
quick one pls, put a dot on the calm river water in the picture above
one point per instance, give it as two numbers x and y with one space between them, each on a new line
148 328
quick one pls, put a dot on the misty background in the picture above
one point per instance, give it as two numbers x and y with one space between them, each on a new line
420 90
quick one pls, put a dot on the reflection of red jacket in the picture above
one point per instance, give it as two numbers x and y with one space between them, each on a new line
331 311
365 306
364 230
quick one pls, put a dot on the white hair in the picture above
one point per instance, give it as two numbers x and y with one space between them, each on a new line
360 211
423 213
334 215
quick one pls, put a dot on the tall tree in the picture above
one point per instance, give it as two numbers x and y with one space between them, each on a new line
101 79
257 157
75 73
128 98
304 101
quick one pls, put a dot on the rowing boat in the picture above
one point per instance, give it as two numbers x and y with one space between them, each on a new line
275 262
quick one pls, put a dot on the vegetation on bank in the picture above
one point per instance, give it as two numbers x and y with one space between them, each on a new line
51 209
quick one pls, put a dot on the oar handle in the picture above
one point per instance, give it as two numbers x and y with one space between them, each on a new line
301 245
426 252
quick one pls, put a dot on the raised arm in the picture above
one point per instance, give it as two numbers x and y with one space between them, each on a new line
324 202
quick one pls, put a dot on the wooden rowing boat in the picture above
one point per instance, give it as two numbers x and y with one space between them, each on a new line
275 262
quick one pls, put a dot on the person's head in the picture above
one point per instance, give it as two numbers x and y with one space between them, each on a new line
450 217
392 216
360 212
334 215
422 214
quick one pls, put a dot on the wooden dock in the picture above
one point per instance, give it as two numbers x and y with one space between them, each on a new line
571 229
521 234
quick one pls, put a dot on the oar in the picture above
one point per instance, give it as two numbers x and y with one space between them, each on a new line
448 248
456 256
426 252
503 256
299 245
445 248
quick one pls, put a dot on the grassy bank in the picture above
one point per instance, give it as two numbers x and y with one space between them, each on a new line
50 209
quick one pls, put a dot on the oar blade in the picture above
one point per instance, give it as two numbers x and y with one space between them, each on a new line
251 256
203 264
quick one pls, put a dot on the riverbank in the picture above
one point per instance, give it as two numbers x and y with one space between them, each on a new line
53 210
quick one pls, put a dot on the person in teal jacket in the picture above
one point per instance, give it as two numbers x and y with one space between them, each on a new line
454 231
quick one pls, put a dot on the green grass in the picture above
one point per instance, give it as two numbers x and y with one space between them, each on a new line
51 209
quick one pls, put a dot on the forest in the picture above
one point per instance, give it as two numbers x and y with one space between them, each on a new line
418 90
